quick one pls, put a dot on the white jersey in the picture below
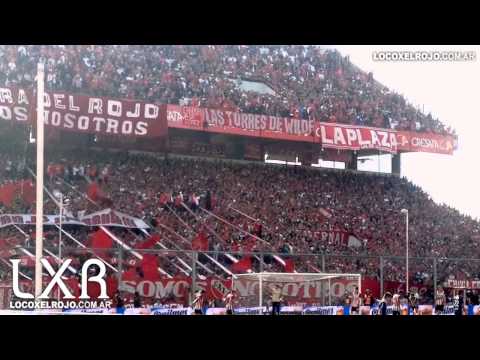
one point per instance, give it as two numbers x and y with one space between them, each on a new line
355 300
396 302
440 300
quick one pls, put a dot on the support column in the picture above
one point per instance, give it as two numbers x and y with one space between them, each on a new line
381 276
352 165
120 265
193 276
322 287
396 164
435 278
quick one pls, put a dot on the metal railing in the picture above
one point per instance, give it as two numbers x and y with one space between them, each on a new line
426 273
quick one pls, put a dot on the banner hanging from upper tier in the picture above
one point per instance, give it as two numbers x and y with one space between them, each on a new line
105 217
109 217
120 117
329 135
86 114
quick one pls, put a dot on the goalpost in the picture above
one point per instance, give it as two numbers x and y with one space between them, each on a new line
254 289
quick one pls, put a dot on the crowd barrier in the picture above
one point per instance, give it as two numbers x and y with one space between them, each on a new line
285 310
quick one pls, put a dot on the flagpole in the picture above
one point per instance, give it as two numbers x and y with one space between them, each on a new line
39 179
60 236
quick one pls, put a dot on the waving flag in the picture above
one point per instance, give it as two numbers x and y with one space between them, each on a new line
243 265
7 194
101 240
149 243
93 191
289 265
149 263
325 213
200 242
27 190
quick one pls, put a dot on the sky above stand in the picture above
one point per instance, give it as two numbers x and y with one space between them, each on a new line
450 92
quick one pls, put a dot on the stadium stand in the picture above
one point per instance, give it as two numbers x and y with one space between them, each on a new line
288 217
308 82
365 205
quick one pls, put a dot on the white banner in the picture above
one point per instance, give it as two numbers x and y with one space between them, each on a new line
29 219
323 310
171 311
106 217
137 311
109 217
216 311
259 310
88 311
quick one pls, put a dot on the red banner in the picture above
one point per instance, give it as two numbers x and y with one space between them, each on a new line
23 188
351 137
105 116
463 284
330 135
88 114
423 142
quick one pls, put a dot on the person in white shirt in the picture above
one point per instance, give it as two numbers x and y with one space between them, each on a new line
355 304
440 300
396 307
276 298
228 300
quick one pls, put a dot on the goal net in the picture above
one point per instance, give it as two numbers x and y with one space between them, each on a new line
298 290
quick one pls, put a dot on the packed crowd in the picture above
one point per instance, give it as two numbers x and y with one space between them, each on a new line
293 206
307 82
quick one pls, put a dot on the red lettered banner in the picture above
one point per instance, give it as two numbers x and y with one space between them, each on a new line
88 114
424 142
463 284
351 137
229 122
330 135
105 116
